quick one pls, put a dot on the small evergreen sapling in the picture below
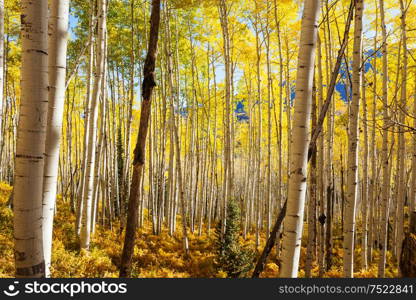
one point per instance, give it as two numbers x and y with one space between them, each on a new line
233 258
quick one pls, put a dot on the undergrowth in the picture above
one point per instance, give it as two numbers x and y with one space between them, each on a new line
155 256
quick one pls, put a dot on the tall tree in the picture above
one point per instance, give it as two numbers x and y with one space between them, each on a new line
402 143
385 201
86 218
293 223
30 145
353 141
58 36
88 100
224 11
139 152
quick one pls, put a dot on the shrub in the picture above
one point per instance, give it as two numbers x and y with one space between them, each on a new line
232 258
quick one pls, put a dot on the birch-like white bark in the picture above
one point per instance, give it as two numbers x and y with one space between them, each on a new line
402 143
85 234
364 203
293 223
30 145
353 141
58 36
88 100
385 195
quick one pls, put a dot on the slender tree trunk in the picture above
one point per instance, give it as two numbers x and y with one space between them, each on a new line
385 201
125 175
319 156
223 11
87 110
353 141
372 184
333 81
271 241
269 129
312 216
412 197
364 202
293 223
401 167
280 127
257 172
139 152
329 180
30 146
58 26
85 235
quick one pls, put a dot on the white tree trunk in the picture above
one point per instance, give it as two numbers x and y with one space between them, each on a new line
88 100
385 195
353 136
402 143
228 180
364 203
58 34
85 234
30 145
293 223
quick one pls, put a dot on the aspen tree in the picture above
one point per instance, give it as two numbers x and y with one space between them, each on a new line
58 36
269 125
311 246
353 141
293 223
88 100
125 174
364 203
223 12
402 143
259 100
30 144
85 234
395 165
329 180
139 152
319 170
280 127
373 165
385 194
99 151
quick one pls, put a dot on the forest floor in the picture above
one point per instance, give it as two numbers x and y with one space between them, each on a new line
155 256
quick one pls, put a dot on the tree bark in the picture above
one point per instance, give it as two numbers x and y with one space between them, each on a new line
293 223
30 145
86 219
271 241
402 143
353 141
334 77
58 36
385 201
312 215
223 11
139 152
364 202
